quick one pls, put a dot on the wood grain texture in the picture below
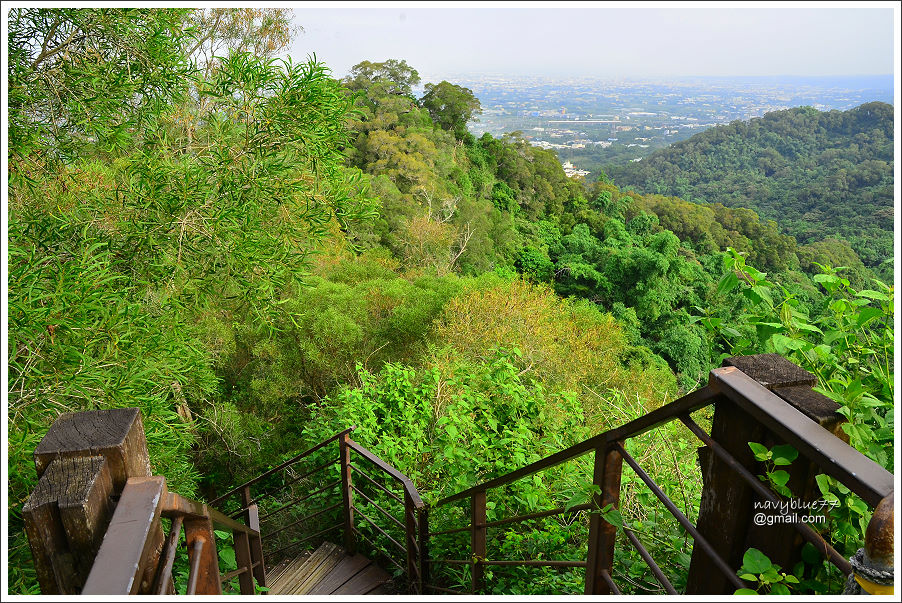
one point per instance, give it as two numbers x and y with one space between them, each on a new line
117 434
328 571
65 519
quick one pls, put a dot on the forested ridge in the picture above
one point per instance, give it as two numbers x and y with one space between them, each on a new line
826 177
258 253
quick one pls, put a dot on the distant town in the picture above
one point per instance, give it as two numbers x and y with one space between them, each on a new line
590 123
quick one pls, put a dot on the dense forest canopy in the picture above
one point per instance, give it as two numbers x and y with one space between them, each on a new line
826 177
258 254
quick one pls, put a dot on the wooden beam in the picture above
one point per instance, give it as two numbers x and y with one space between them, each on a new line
125 563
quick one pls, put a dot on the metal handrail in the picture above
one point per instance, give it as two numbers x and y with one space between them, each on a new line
688 403
837 459
281 466
408 486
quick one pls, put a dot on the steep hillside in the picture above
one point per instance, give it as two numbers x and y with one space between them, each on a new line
821 175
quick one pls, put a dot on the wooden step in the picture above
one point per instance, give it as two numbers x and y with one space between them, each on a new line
346 569
329 570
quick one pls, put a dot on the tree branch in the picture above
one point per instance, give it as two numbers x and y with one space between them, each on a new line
46 54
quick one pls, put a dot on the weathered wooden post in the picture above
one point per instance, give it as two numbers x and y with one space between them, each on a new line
726 512
83 463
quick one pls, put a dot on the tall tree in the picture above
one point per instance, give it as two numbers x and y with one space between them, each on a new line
451 106
400 78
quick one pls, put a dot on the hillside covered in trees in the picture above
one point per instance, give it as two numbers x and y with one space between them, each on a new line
826 177
257 253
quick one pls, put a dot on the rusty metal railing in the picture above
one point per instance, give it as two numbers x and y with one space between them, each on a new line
128 551
726 386
381 510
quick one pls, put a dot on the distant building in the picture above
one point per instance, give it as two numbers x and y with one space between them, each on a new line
571 171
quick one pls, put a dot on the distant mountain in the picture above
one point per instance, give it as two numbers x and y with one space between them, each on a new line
818 174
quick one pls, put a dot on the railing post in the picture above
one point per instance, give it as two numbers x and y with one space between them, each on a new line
477 539
347 494
410 542
423 522
256 544
83 461
726 511
203 556
243 559
603 535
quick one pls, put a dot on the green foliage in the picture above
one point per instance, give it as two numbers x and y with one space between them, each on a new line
820 174
153 234
89 77
778 456
450 106
757 568
849 345
399 77
215 258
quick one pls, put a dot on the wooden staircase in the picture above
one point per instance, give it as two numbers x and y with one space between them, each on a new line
330 570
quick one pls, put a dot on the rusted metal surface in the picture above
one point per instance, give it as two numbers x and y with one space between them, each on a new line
878 538
126 553
196 555
202 555
606 577
376 547
860 474
256 540
477 539
441 589
376 526
347 493
164 575
389 470
649 561
688 403
174 505
414 575
303 519
807 532
387 515
242 548
295 501
521 562
700 540
282 466
423 536
602 535
306 539
521 518
373 481
817 407
275 491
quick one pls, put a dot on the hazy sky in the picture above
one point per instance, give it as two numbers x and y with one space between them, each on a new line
592 39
